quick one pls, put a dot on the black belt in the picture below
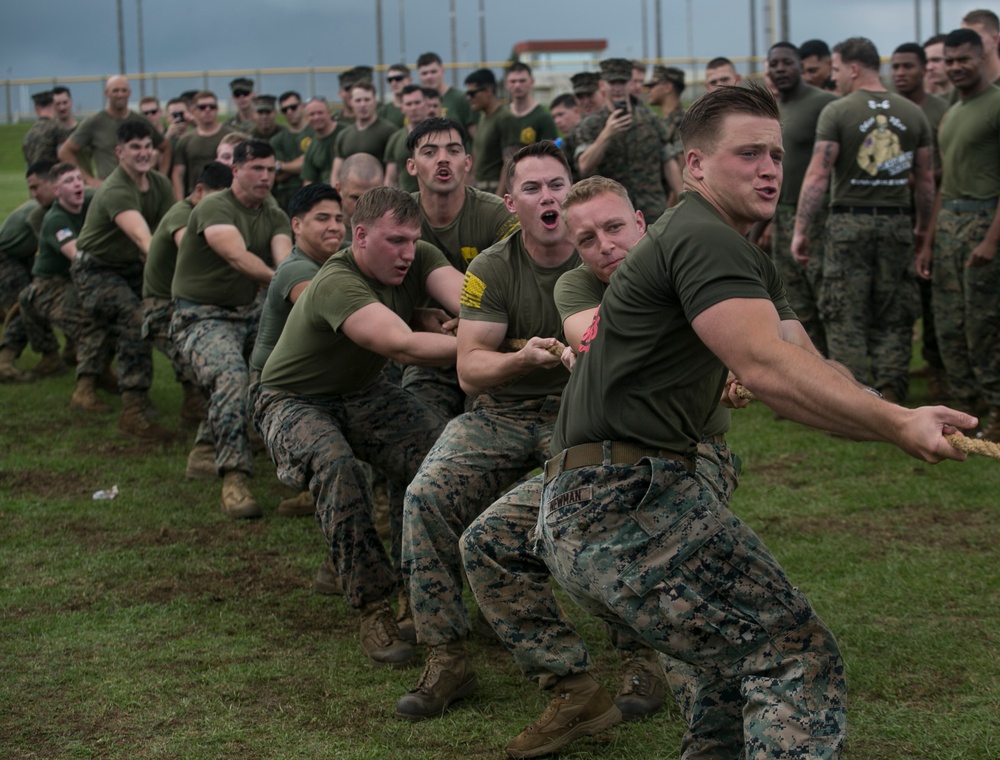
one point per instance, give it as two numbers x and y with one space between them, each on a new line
872 210
591 454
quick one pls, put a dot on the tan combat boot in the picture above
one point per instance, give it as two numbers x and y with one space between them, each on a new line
201 463
237 501
380 636
580 707
328 579
134 420
447 677
641 694
50 365
8 372
85 396
404 618
297 506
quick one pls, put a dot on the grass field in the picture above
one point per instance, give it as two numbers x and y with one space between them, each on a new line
153 627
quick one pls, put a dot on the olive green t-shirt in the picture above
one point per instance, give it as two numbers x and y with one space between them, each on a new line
318 159
483 221
59 227
205 277
158 274
492 132
934 109
643 376
296 269
798 133
534 126
970 147
581 290
312 356
396 153
106 241
371 139
391 113
98 134
505 285
878 133
287 147
454 105
578 290
17 239
194 151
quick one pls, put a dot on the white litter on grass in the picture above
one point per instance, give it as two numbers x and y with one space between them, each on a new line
103 495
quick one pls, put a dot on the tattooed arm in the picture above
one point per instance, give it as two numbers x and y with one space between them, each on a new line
814 187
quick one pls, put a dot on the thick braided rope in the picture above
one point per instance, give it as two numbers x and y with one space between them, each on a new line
516 344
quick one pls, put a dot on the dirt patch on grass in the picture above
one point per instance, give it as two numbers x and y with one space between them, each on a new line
910 524
41 483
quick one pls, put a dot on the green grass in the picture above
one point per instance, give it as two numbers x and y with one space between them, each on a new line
153 627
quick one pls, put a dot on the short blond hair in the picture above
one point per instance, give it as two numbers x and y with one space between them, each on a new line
592 187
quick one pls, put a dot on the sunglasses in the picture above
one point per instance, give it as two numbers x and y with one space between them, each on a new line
206 106
396 78
150 113
240 93
470 94
290 108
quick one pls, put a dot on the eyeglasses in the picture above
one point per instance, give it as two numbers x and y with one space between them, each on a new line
396 78
264 110
291 107
470 94
206 106
240 93
151 113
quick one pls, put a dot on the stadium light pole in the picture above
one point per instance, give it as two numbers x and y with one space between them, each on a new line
379 50
454 43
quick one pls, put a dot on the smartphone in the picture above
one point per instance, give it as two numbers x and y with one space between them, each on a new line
621 107
178 116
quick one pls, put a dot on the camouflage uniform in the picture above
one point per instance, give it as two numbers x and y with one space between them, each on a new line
216 342
634 158
316 441
42 141
870 299
478 455
53 301
18 243
110 300
653 547
966 311
803 285
513 590
157 314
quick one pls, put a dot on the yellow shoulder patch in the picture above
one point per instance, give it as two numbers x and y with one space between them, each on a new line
469 253
472 291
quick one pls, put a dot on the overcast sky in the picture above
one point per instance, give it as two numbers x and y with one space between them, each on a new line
60 38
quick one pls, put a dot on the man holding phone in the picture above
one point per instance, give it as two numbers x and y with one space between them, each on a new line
197 148
626 142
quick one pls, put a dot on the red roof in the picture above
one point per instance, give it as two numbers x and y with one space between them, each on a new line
560 46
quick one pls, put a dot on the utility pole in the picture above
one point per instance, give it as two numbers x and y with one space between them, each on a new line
121 38
482 33
753 36
142 56
402 33
454 44
379 50
658 21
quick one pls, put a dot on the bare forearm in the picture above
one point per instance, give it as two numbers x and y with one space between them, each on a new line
423 349
480 370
